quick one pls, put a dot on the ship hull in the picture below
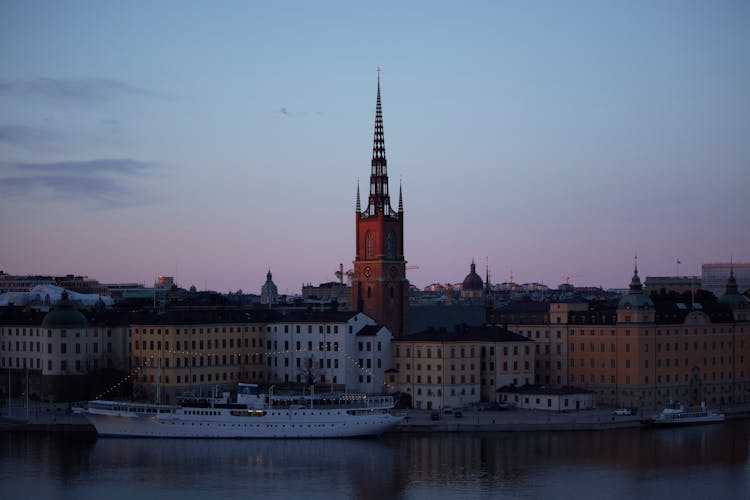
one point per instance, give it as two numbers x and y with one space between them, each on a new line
222 425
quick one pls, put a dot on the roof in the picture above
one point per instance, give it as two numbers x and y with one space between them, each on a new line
315 316
370 330
207 316
473 281
465 333
65 315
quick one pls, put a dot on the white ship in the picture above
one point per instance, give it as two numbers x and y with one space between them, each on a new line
676 414
253 415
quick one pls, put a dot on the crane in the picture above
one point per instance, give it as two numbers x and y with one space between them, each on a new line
567 278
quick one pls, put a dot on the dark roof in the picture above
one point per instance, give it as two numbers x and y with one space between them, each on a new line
525 307
466 333
543 390
207 316
473 281
370 330
316 316
422 317
17 316
674 312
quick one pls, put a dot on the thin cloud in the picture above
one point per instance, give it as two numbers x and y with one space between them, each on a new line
26 137
88 91
103 183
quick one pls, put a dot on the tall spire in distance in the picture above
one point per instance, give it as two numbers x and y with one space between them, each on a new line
400 199
358 207
379 198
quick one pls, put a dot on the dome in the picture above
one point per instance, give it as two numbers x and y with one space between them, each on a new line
65 316
732 297
473 281
636 298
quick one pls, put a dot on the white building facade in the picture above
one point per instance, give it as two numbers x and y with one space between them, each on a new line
344 350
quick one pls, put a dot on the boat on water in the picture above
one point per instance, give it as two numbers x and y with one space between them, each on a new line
676 414
251 415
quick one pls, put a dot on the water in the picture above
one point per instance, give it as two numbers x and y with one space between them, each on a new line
696 462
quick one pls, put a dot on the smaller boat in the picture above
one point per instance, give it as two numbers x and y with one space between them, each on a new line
676 414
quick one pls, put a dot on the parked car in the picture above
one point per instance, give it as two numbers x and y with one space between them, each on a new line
458 414
623 412
447 410
435 415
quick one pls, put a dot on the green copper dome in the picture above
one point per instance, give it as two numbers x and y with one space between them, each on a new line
636 298
65 315
732 297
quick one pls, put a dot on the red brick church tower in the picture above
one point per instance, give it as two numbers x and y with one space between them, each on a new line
379 285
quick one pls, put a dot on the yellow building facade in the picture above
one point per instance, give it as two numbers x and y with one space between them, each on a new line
455 368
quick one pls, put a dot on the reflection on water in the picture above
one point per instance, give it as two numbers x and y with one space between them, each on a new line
619 464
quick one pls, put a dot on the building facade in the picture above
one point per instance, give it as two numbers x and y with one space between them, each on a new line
345 351
60 351
379 285
547 398
455 368
652 353
197 352
644 350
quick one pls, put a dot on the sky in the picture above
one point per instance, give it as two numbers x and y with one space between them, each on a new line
211 141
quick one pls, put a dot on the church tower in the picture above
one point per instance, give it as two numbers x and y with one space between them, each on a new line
379 285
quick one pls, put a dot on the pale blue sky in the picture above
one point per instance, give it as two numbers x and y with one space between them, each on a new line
213 140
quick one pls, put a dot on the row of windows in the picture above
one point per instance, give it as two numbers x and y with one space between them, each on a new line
199 361
659 362
461 351
195 344
21 332
187 331
667 346
676 331
309 329
37 347
659 379
22 363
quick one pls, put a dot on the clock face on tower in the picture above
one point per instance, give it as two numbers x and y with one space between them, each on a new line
367 272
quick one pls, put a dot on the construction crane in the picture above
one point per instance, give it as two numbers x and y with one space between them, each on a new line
567 278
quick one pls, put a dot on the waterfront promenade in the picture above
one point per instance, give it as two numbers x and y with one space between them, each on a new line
57 417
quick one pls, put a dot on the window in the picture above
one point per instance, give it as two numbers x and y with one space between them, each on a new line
390 246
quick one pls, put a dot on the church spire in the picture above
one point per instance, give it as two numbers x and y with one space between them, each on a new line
358 206
379 198
400 199
635 283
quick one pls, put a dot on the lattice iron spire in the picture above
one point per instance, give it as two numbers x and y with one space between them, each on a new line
358 207
379 198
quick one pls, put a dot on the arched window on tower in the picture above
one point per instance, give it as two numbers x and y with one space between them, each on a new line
369 246
369 292
390 246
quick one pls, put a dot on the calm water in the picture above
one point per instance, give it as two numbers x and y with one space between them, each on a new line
710 462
